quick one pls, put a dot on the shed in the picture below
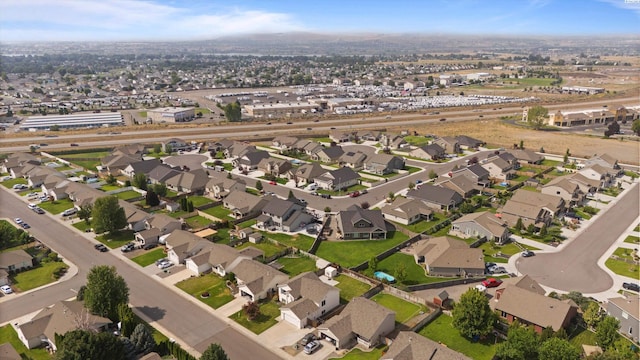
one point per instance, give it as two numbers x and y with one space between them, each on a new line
330 272
441 299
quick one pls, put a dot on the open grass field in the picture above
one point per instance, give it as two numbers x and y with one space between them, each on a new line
441 330
353 252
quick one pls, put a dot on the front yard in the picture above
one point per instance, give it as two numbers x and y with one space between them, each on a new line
57 206
149 257
350 253
269 311
40 275
441 330
350 189
357 354
423 225
632 239
219 294
404 310
350 287
9 183
620 264
116 239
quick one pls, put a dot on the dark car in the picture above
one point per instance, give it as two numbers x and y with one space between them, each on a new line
101 247
527 253
307 339
74 144
631 286
325 196
150 246
443 119
38 210
25 225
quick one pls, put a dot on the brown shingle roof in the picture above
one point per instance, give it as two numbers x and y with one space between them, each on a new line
533 308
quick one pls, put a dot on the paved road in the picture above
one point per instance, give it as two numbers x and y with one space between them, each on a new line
191 324
575 267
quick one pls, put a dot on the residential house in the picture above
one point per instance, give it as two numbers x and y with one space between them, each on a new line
274 166
328 155
406 211
526 156
284 142
436 197
15 260
460 184
42 174
499 169
219 187
17 160
175 144
283 215
238 149
506 156
257 280
382 164
358 223
532 207
182 244
586 185
308 147
218 258
362 322
339 179
468 143
306 173
130 149
250 161
428 152
192 182
627 311
524 282
353 159
566 189
22 171
368 135
243 204
341 136
135 217
605 176
219 146
475 173
156 226
533 309
449 144
481 225
161 173
445 256
114 164
604 160
141 167
392 141
411 346
59 318
306 298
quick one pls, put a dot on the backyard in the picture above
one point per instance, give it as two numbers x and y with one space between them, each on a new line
415 274
404 310
350 287
267 247
199 200
297 241
197 222
9 335
219 212
295 265
269 311
353 252
128 195
441 330
423 225
219 294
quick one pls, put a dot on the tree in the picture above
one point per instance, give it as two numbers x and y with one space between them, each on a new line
160 189
127 320
214 352
80 294
86 344
55 127
565 159
531 228
85 212
168 149
400 272
536 116
142 339
259 185
327 209
472 315
157 148
635 127
365 205
522 343
107 215
140 181
521 144
106 290
111 179
152 198
607 332
433 174
233 111
612 129
251 310
558 349
593 315
373 263
543 230
190 207
412 185
466 208
128 348
518 226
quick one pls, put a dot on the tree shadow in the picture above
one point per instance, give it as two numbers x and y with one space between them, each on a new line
153 313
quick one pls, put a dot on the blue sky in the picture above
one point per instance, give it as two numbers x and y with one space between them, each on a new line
99 20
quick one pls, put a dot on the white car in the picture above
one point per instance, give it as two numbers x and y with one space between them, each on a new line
6 289
18 221
19 187
32 206
481 288
165 265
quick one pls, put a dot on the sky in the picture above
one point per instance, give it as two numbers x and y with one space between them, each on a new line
169 20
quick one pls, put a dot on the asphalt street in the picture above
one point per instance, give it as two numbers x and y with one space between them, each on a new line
196 327
575 267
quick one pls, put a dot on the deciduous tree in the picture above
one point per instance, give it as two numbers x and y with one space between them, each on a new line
214 352
251 310
140 181
558 349
152 198
522 343
107 215
536 116
105 291
607 332
472 315
85 344
593 315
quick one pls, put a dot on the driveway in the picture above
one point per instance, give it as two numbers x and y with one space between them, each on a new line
575 267
192 161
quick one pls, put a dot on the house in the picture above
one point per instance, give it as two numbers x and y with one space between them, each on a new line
192 182
161 173
59 318
284 142
15 260
274 166
499 169
353 159
475 173
532 207
468 143
368 135
283 215
140 167
392 141
174 145
627 311
218 258
436 197
411 346
449 144
219 187
382 164
460 184
306 173
250 161
308 147
42 174
155 226
605 176
524 282
238 149
506 156
17 160
182 244
533 309
243 204
358 223
257 280
306 298
406 211
328 155
135 217
341 136
114 164
362 322
526 156
428 152
481 225
604 160
568 190
130 149
339 179
445 256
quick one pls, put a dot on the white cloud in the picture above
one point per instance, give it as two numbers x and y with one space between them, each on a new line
632 5
130 19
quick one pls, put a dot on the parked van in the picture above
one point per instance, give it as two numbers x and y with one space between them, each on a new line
312 187
69 212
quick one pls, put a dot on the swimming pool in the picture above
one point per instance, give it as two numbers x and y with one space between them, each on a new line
384 276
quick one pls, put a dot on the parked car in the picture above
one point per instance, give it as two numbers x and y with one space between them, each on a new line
128 247
39 210
273 182
32 206
528 253
101 247
491 282
165 265
307 339
6 289
160 261
443 119
74 144
25 225
499 270
325 196
17 221
69 212
631 286
481 288
311 347
150 246
354 194
364 191
33 195
19 186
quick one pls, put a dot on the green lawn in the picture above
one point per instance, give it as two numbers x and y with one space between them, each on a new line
297 241
150 257
551 163
343 192
247 224
117 239
197 222
293 266
624 253
269 311
411 169
637 228
90 154
404 310
415 273
219 294
441 330
349 253
579 336
622 268
9 335
9 183
424 225
632 239
82 226
357 354
268 247
219 211
107 187
86 164
376 176
129 194
38 276
57 206
204 111
278 180
222 237
350 287
199 200
417 140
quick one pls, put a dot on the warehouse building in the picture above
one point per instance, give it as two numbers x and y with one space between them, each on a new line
171 114
35 123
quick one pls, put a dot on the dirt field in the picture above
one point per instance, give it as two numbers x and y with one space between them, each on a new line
499 134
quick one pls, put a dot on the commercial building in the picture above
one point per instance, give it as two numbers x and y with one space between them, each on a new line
34 123
276 110
582 90
171 114
593 116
